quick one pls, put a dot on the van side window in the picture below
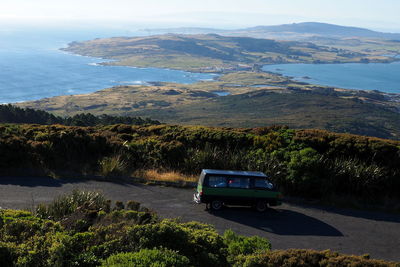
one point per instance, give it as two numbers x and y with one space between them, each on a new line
216 181
262 183
236 182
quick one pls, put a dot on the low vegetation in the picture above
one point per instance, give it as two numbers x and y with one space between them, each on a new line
302 257
96 233
307 163
166 176
14 114
254 99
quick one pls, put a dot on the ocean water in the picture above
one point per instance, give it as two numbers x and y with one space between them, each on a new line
384 77
33 67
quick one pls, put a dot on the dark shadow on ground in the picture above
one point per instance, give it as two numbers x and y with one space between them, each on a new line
51 182
365 214
278 221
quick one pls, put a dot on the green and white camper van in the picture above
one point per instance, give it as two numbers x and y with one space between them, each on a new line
217 188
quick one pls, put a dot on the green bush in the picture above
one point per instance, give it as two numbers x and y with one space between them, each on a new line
147 258
70 203
119 205
133 205
306 171
311 258
198 242
241 245
73 250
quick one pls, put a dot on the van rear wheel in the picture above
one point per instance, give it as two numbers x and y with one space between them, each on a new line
216 204
261 206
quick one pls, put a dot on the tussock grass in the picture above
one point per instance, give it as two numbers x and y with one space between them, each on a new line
165 176
67 204
115 165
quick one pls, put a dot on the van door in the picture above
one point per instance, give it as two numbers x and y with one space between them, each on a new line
262 189
239 190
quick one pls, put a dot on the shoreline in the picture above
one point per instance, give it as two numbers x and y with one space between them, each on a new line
256 68
310 80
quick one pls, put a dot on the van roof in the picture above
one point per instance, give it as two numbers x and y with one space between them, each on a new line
228 172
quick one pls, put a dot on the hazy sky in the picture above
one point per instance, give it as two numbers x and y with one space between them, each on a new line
382 14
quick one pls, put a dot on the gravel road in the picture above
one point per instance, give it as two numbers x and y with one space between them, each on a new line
286 226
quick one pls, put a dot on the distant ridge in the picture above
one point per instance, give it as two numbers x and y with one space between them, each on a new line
292 31
319 28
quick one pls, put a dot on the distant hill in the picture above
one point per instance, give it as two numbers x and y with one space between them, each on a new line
212 52
324 29
291 31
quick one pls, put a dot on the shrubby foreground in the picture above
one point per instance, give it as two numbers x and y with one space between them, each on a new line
85 229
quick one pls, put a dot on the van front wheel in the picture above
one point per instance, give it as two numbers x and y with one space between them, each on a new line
261 206
216 204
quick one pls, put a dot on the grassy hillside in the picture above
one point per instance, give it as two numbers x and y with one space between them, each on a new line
211 52
85 229
256 99
358 40
295 109
308 163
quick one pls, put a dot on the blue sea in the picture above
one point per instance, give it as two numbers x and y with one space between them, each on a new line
384 77
33 67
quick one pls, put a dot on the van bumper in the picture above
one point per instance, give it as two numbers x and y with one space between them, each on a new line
196 198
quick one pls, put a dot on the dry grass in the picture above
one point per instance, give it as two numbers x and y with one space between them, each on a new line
165 176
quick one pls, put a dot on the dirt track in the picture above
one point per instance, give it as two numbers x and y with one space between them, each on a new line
288 226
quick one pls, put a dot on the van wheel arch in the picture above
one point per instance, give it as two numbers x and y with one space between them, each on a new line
216 204
261 205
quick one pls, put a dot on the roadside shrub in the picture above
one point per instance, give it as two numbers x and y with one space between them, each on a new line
356 177
69 203
198 242
119 205
19 230
311 258
306 172
73 250
138 238
241 245
308 163
133 205
213 157
147 258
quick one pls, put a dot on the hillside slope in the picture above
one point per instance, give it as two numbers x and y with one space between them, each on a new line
324 29
355 39
302 28
211 52
252 99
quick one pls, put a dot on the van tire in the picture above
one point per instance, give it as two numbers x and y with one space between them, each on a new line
261 206
216 205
